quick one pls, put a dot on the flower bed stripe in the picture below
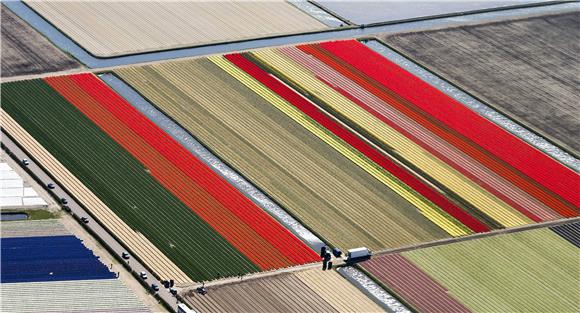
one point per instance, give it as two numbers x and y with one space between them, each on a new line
123 184
391 139
469 167
339 131
413 284
241 236
530 161
461 142
268 228
570 232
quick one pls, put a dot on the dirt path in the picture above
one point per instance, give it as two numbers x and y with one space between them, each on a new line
478 236
230 280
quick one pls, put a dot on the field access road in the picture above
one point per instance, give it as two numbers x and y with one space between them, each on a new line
92 226
478 236
228 280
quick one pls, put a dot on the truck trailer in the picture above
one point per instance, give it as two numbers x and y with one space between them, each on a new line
357 255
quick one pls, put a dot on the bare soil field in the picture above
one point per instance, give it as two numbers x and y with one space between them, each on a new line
25 51
527 69
306 291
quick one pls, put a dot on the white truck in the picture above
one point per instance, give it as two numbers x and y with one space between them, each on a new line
358 254
183 308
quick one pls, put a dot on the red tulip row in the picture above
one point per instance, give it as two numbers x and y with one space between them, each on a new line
242 223
390 108
309 109
548 181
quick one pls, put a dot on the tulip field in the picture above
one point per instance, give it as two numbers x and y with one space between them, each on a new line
534 270
333 189
199 221
283 156
492 182
359 159
297 113
500 145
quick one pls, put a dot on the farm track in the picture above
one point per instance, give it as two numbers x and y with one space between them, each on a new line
142 247
561 222
309 178
389 137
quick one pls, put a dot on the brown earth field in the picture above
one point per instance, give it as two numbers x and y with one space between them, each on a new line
25 51
527 68
307 291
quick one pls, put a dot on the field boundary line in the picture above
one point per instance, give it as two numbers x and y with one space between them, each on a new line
492 233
